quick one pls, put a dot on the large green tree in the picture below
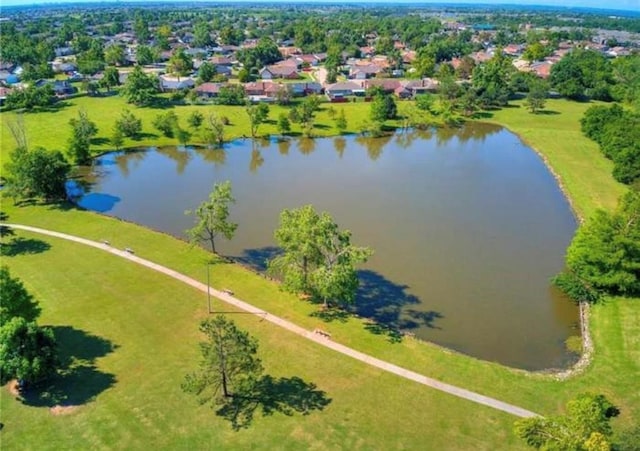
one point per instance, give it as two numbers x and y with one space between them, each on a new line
180 63
82 130
212 217
229 364
585 425
605 252
491 80
317 257
27 352
15 300
36 173
140 88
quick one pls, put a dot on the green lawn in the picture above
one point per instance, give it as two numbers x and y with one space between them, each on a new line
101 295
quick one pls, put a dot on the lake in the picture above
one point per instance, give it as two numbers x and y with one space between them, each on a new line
468 225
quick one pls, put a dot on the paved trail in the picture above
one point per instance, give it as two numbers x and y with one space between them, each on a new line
310 335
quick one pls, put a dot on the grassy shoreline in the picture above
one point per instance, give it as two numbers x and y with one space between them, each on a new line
615 324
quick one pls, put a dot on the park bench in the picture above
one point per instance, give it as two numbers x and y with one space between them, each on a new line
227 291
322 333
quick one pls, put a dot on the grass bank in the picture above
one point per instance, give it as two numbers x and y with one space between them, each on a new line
91 293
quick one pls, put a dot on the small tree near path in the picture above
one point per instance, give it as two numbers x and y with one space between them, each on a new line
213 217
229 365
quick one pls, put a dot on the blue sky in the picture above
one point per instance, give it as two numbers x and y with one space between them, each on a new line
633 5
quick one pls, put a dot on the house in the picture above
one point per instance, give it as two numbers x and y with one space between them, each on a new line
256 88
513 50
342 89
304 89
387 86
175 84
63 51
417 87
4 92
279 71
208 90
542 68
362 72
221 61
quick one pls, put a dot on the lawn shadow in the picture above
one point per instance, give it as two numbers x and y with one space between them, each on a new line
384 303
284 395
257 259
547 112
78 380
19 245
331 314
100 141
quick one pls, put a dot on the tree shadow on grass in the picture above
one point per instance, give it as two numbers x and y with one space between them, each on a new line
384 303
19 245
284 395
78 380
100 141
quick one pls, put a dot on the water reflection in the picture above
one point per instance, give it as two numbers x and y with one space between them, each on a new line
467 224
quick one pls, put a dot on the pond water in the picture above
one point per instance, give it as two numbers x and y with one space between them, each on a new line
467 225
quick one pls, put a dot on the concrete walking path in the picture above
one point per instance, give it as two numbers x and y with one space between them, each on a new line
310 335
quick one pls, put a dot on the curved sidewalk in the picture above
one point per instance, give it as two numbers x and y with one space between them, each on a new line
310 335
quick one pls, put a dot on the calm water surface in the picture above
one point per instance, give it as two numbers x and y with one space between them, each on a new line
468 225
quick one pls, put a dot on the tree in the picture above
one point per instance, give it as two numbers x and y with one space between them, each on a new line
180 63
585 425
195 119
146 55
284 126
257 115
117 138
110 78
583 73
318 259
201 34
229 365
232 94
383 107
167 123
114 55
140 88
214 132
206 72
491 80
36 173
129 124
537 96
535 52
30 97
15 300
341 121
83 129
27 352
605 252
212 217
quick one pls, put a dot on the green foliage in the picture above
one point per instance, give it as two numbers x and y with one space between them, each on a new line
36 173
583 427
213 134
146 55
605 252
232 94
110 78
617 131
577 289
491 80
30 97
625 74
341 121
27 352
424 102
537 96
195 119
229 365
284 126
129 124
15 300
206 72
318 259
264 53
117 138
257 115
212 217
83 129
166 123
383 107
140 88
180 63
114 55
583 73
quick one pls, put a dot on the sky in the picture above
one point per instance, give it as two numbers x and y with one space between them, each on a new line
632 5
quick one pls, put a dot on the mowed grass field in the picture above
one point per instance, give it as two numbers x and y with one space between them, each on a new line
116 301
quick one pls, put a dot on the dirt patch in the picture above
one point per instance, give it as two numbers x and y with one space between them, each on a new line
62 410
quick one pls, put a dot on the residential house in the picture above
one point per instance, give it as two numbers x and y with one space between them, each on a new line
175 84
4 92
542 68
208 90
362 72
63 51
342 89
387 86
417 87
513 50
304 89
279 71
62 88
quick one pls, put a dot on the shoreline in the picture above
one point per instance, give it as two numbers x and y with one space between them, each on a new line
574 369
